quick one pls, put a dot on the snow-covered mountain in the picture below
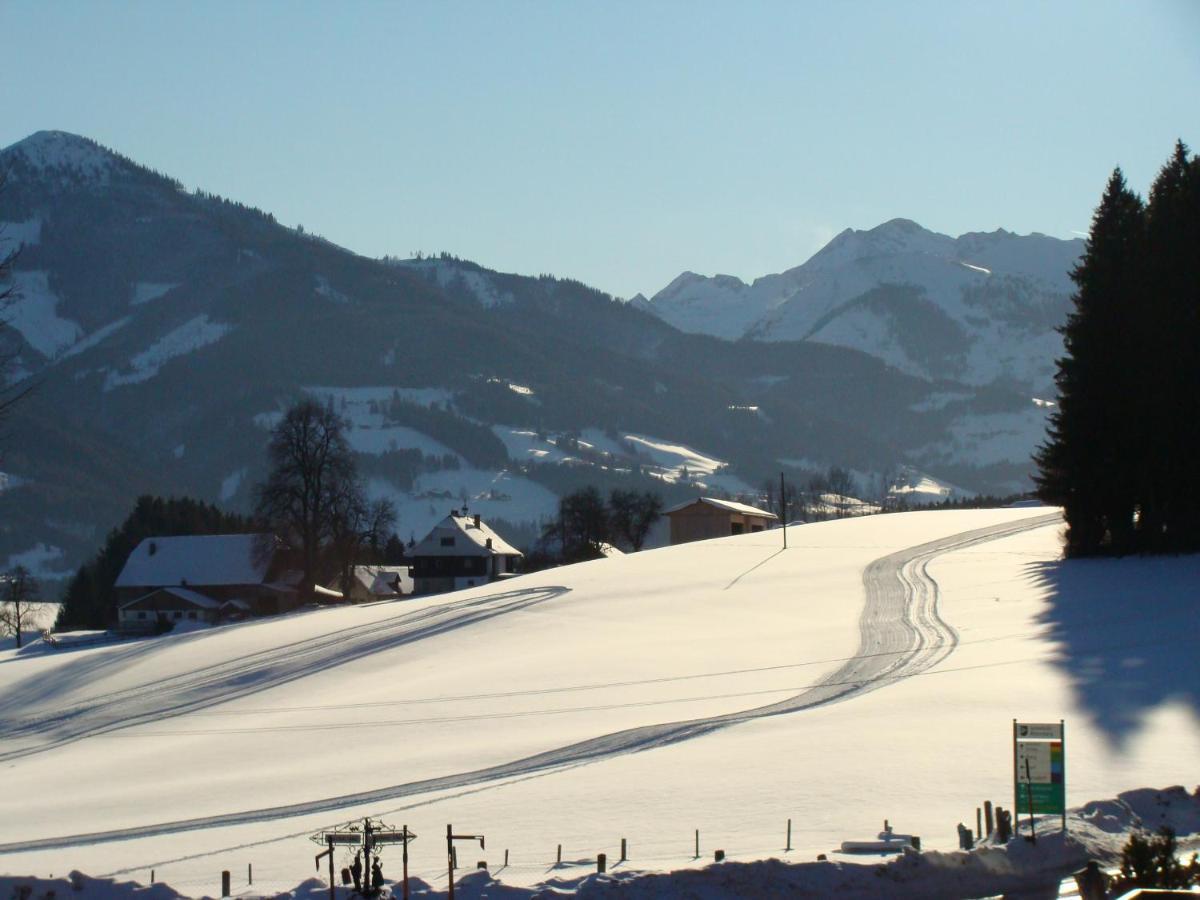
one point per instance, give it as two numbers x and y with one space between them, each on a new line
165 329
976 309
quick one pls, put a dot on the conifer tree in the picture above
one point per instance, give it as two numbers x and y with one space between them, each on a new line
1171 491
1089 464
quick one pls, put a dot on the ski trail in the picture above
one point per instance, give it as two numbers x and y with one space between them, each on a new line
901 635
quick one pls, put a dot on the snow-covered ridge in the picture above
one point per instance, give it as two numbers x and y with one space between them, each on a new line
976 308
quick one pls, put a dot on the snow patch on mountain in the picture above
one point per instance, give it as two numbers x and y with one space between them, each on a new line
494 495
231 483
446 272
187 338
325 289
34 313
42 561
986 439
96 337
147 291
18 234
66 153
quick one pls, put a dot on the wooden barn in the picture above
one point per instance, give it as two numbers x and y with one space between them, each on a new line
707 517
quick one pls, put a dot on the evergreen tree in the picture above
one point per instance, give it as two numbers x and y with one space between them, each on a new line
1121 452
1090 465
1171 504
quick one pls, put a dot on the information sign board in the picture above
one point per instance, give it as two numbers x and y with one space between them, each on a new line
1039 770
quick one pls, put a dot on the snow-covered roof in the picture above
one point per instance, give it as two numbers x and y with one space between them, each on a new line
727 505
208 559
459 535
191 597
385 580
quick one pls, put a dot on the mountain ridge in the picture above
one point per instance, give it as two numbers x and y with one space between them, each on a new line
980 283
165 328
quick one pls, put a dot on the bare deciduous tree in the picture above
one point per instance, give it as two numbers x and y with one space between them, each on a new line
19 595
312 474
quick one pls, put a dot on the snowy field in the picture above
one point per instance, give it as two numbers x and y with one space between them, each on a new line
871 670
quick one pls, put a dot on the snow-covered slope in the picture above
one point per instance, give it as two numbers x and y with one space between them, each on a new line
721 686
975 309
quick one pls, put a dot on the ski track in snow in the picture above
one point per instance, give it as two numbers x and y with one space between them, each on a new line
901 635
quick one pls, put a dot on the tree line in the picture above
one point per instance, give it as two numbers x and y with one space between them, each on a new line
587 523
1121 446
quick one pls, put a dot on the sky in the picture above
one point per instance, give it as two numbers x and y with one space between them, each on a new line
620 143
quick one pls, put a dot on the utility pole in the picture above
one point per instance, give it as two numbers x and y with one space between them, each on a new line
783 508
451 837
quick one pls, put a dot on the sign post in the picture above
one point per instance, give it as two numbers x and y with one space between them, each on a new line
1039 771
371 835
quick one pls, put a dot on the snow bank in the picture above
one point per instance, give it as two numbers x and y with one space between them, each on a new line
1096 831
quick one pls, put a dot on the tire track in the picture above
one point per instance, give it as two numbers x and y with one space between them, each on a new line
254 672
901 634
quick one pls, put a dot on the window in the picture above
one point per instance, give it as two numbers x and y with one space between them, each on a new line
737 528
448 541
142 614
191 614
179 614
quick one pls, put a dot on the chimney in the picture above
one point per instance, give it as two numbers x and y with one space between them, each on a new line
489 543
476 520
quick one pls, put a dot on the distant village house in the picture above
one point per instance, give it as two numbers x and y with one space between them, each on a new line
461 551
204 578
369 583
707 517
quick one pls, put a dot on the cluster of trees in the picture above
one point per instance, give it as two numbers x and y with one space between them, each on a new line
1120 455
824 495
586 522
91 598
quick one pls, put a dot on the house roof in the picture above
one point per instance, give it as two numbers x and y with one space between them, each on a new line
384 580
188 598
466 539
726 505
195 559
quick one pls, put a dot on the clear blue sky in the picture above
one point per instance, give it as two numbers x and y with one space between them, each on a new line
620 143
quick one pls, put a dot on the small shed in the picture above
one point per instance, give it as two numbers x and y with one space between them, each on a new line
368 583
167 605
708 517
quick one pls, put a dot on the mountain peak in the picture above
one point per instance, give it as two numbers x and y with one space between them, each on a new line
61 150
892 237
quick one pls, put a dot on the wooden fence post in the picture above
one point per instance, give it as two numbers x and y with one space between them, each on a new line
225 883
988 820
602 863
623 856
789 836
697 856
560 854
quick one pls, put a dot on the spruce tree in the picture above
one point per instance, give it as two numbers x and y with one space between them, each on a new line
1171 491
1091 461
